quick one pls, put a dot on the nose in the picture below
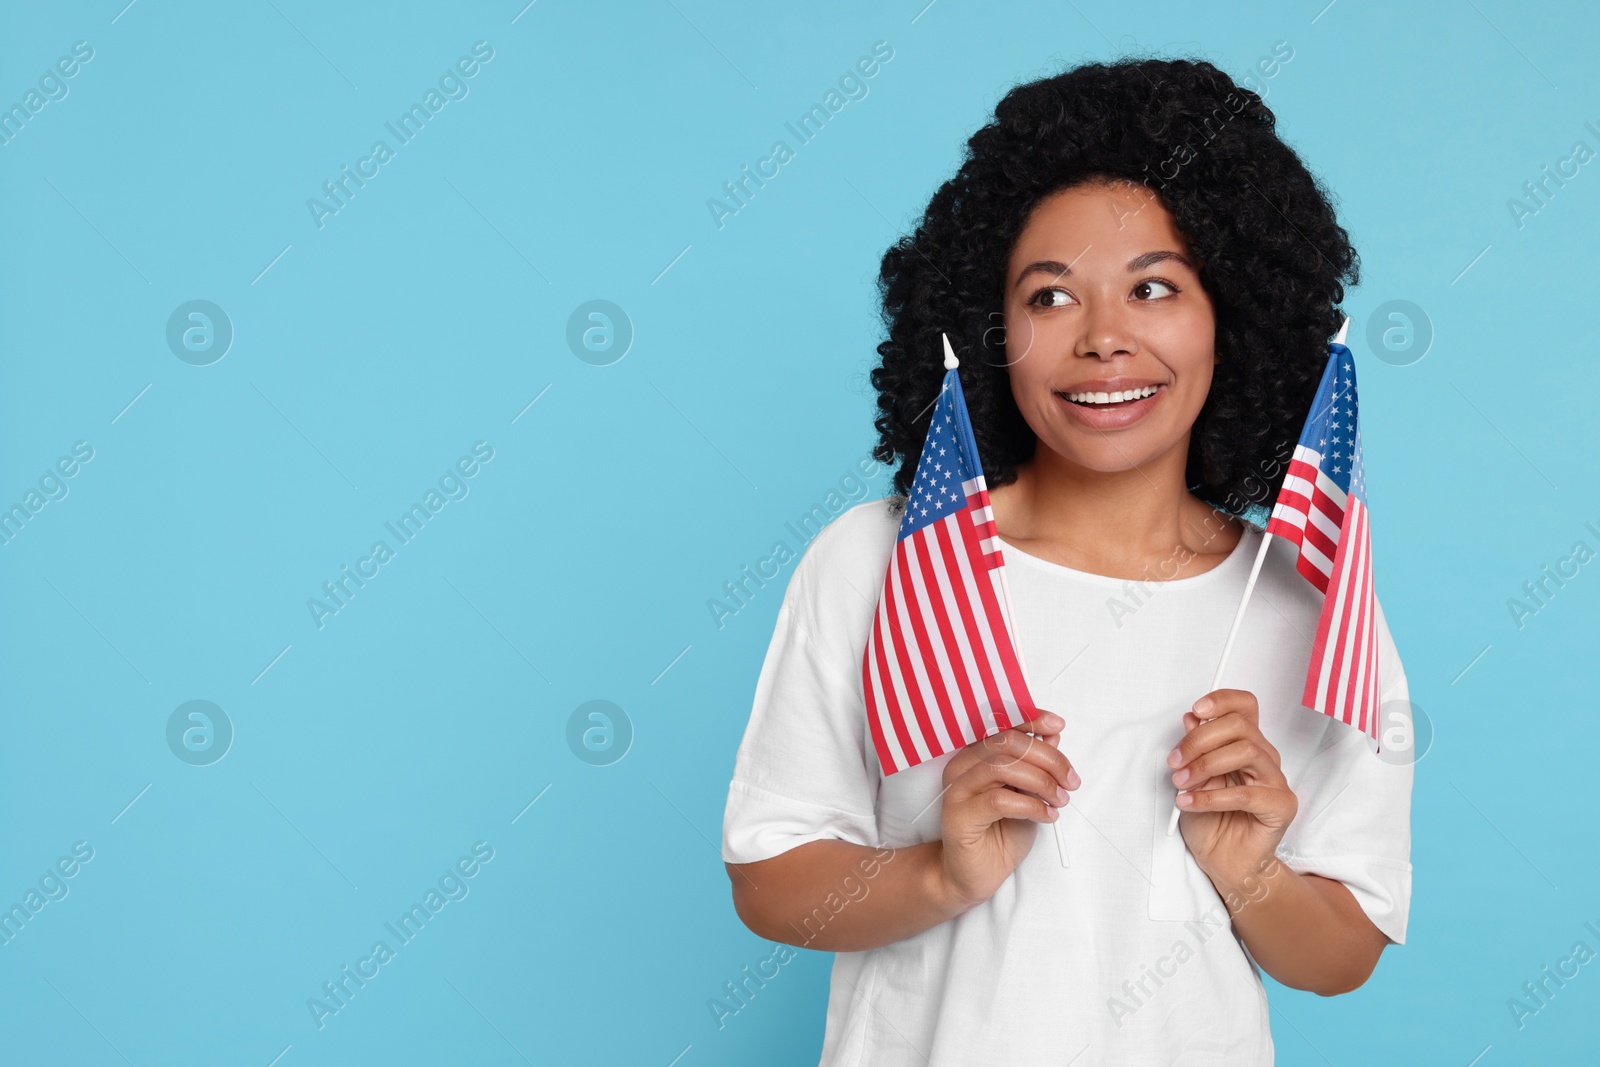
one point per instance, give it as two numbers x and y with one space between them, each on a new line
1106 332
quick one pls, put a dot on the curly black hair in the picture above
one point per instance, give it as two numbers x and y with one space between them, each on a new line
1274 263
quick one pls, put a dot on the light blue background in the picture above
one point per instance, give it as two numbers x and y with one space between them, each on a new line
372 352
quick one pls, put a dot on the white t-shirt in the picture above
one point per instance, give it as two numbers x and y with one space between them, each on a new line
1128 955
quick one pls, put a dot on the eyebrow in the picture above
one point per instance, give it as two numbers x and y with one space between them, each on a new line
1137 263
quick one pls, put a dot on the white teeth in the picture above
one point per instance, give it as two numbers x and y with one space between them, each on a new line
1113 398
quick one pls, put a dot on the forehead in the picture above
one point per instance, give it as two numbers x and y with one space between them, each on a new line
1076 223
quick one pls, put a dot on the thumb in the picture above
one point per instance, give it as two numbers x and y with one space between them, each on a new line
1046 724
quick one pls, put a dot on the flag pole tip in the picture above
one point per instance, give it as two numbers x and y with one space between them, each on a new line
1344 328
950 360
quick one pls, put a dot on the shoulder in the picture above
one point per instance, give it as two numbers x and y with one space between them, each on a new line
1296 604
1281 584
836 583
864 532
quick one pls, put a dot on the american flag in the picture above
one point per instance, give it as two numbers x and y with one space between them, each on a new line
1322 509
940 670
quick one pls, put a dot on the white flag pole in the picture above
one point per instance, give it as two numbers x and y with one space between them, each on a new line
1227 647
951 363
1244 602
1011 616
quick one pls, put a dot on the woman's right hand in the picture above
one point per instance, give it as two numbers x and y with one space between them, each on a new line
996 790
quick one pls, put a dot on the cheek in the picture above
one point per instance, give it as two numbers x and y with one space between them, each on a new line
1021 338
1030 386
1200 380
1202 376
1194 373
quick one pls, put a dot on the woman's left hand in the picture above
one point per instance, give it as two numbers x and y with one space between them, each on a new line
1238 803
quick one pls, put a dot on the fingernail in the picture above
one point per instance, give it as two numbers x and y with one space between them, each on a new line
1052 721
1181 777
1061 795
1073 781
1174 757
1185 800
1202 705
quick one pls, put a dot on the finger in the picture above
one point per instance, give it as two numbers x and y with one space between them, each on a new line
1221 702
1271 805
1213 734
1205 736
1047 722
1047 728
1016 740
1021 746
1049 739
1003 773
1243 755
997 804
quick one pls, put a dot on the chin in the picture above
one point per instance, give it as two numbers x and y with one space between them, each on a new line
1112 461
1114 453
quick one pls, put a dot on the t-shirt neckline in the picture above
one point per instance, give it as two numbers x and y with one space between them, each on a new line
1234 561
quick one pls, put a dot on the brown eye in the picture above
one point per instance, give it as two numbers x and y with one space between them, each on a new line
1144 287
1043 298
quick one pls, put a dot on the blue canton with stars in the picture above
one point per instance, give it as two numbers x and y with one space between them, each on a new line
949 457
1333 430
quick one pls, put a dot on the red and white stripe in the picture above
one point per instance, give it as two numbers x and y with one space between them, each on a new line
1309 513
1343 677
941 671
1335 555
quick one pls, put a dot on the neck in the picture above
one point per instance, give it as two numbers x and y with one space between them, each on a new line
1107 520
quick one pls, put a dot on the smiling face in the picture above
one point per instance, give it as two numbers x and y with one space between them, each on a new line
1109 335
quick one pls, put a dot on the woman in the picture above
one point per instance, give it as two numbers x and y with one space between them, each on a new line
1141 280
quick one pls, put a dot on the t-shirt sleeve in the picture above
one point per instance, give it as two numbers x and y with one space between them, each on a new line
805 770
1354 820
